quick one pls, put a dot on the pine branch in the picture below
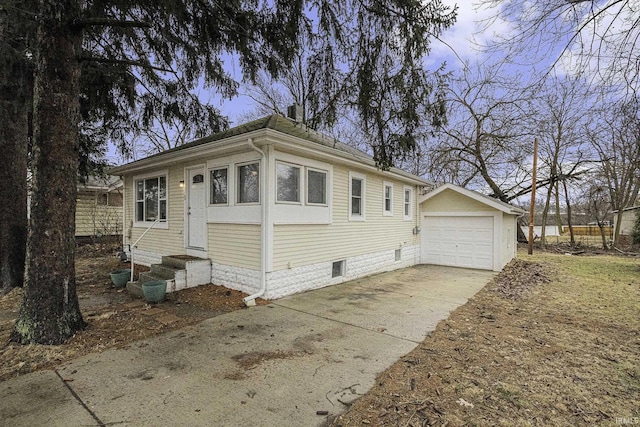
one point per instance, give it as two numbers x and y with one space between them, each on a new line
125 62
108 22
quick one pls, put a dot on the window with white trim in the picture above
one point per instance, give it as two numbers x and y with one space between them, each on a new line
357 191
151 199
387 208
408 195
248 183
287 183
219 186
316 187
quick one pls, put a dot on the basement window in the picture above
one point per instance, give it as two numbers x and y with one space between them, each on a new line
337 269
398 254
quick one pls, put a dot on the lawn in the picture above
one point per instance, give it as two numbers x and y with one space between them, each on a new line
554 340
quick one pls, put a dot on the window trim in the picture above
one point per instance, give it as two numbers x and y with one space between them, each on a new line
237 183
216 168
326 184
385 212
300 178
363 199
157 174
410 203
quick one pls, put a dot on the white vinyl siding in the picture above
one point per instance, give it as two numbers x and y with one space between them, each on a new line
237 245
300 244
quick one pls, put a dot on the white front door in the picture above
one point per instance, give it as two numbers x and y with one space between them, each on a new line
196 208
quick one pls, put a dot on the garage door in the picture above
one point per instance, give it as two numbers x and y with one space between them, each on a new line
459 241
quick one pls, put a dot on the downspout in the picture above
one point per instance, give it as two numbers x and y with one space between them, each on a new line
264 215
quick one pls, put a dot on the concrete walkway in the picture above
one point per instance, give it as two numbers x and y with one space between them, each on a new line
280 364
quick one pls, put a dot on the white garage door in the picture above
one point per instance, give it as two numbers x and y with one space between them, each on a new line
459 241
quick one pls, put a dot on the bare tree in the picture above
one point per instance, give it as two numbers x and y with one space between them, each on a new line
597 203
562 112
484 141
615 136
593 37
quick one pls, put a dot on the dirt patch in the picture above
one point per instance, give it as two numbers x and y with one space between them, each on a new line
553 342
115 319
254 358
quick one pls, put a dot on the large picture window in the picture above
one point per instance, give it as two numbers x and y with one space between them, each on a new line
316 187
151 199
287 183
248 178
219 186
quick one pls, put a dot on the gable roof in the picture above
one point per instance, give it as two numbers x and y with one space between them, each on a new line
274 122
486 200
102 183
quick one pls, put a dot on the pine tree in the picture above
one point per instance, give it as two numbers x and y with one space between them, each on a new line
115 65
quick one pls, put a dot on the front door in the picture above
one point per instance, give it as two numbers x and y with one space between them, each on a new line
196 208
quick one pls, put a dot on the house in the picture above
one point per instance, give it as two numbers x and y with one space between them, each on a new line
99 207
627 220
274 208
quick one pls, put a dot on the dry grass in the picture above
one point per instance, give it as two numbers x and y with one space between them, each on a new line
562 352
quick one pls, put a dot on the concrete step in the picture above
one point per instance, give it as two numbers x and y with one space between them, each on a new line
148 277
165 271
180 261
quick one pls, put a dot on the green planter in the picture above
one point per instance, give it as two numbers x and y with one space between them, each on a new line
155 290
120 277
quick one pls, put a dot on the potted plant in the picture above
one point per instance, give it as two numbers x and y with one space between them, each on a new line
120 277
154 291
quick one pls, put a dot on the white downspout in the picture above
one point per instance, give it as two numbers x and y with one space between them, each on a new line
264 215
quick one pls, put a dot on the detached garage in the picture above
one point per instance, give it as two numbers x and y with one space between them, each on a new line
462 228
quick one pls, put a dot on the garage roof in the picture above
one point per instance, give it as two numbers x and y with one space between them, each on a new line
489 201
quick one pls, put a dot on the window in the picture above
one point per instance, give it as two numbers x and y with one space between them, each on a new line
398 255
151 199
388 199
407 202
249 183
337 268
316 187
218 186
287 183
357 191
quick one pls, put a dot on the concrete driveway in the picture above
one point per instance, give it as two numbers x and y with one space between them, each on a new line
265 366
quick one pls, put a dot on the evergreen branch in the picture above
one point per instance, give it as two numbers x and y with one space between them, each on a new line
108 22
125 62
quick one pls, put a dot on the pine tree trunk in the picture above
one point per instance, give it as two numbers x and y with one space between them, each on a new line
50 313
15 94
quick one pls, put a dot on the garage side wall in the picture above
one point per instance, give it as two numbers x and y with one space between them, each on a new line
509 238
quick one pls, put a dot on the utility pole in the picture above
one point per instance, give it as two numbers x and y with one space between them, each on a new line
533 194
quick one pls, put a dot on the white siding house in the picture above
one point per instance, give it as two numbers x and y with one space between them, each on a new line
277 209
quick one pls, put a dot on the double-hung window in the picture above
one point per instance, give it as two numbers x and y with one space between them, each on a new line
357 191
408 194
248 181
151 199
388 199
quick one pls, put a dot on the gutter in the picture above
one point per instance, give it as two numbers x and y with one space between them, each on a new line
250 300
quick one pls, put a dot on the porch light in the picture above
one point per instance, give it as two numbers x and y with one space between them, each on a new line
181 184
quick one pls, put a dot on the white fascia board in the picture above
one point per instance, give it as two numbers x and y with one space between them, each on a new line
503 207
229 144
310 148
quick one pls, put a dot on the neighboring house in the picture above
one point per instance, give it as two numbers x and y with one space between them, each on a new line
99 207
278 208
628 220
